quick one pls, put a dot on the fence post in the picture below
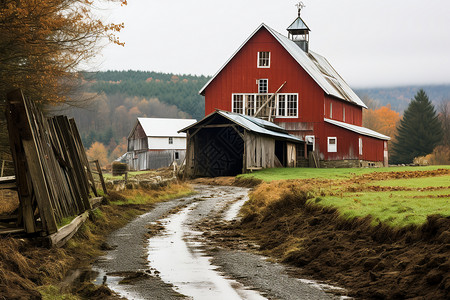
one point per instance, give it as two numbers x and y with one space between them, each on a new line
99 170
3 167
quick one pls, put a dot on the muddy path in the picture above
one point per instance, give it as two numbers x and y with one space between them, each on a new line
167 254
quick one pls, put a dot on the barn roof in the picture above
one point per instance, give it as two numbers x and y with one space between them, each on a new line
163 127
251 124
298 24
314 64
358 129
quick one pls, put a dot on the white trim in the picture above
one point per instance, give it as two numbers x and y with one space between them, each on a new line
245 97
259 85
331 147
257 62
360 146
358 129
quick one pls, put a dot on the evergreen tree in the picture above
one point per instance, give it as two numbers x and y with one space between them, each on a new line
419 131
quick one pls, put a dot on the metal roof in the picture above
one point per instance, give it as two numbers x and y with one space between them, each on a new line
298 24
251 124
314 64
358 129
163 127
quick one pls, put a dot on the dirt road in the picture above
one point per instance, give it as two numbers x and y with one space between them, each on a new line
167 254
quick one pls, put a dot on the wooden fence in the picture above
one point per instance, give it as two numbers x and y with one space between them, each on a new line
52 173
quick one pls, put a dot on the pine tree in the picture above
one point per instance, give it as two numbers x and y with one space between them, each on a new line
419 131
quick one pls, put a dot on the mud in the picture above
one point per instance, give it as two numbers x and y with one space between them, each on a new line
371 262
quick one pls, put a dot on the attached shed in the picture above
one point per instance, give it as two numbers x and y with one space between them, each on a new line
227 144
155 143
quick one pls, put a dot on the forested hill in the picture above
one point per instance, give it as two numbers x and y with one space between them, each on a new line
178 90
399 97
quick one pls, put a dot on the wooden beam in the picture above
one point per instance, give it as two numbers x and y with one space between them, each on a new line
270 99
64 234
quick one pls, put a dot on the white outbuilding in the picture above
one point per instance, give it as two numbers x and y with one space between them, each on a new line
155 143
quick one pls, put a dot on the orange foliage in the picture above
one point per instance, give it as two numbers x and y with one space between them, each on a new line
383 120
98 152
439 156
43 42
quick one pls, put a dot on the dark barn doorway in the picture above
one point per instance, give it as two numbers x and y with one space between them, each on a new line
219 152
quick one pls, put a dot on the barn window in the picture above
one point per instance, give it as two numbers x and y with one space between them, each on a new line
343 114
177 155
238 104
291 105
170 140
264 59
331 110
263 86
281 105
250 105
332 144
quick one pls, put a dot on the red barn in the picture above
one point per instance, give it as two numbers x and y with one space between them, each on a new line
279 79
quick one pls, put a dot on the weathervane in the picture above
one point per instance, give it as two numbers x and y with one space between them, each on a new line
300 6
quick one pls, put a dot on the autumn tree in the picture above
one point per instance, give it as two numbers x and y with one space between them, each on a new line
43 42
383 120
98 151
419 131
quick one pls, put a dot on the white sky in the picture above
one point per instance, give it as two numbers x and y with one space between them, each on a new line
370 43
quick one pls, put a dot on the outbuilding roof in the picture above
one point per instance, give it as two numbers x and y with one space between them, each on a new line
163 127
251 124
358 129
314 64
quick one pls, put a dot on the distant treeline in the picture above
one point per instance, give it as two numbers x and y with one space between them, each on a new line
399 97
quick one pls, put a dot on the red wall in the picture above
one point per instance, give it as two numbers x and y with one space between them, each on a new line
241 73
347 144
353 113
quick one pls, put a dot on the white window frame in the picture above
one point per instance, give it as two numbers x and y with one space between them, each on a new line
259 85
262 60
360 146
249 104
170 140
331 148
234 101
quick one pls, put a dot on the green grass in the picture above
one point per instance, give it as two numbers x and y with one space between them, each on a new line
336 173
438 181
354 198
397 209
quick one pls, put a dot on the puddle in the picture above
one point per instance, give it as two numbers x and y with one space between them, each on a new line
234 208
181 262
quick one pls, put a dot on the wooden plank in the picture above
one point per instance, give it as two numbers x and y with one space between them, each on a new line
64 234
16 122
39 181
11 230
96 201
100 174
82 154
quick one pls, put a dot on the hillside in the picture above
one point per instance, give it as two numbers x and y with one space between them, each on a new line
399 97
126 95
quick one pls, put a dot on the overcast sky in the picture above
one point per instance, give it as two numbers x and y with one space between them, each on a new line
370 43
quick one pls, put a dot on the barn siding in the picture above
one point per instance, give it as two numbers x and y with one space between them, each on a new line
241 73
259 151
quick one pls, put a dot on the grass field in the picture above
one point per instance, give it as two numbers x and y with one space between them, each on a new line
398 196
